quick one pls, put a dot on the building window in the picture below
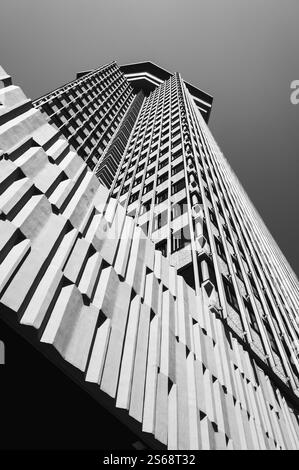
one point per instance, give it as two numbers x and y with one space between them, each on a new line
176 154
162 178
164 151
145 207
252 318
162 196
208 195
220 249
160 220
152 160
140 167
241 251
232 225
132 163
227 235
163 164
142 156
176 169
237 268
150 172
271 339
137 181
133 198
176 142
213 218
180 239
162 246
124 190
148 187
220 209
175 132
253 285
163 142
230 294
176 187
179 209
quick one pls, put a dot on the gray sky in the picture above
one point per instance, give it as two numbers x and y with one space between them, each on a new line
243 52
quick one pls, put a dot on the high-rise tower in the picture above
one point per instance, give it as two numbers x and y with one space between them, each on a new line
160 281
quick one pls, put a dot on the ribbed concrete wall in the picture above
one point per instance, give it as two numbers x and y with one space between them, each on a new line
77 269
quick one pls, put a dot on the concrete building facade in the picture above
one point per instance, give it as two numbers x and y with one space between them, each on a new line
129 244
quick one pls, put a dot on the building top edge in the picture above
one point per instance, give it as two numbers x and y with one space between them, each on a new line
147 75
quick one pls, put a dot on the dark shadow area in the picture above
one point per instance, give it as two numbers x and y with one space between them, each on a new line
41 408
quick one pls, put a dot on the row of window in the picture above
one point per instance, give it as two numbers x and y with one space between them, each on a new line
69 99
161 219
103 76
178 240
232 300
175 188
141 165
164 194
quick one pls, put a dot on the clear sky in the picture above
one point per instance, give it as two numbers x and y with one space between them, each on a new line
243 52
